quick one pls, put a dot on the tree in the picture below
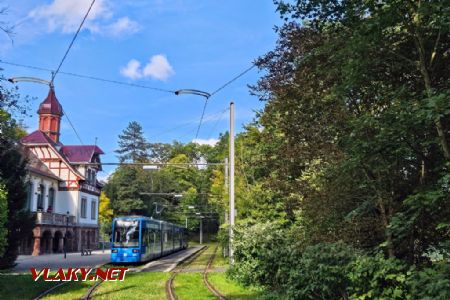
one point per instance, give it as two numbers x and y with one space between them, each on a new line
124 189
133 146
105 214
3 218
352 135
13 175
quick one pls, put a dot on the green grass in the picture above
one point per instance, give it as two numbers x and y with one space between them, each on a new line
22 286
219 260
135 286
70 291
190 286
201 261
233 290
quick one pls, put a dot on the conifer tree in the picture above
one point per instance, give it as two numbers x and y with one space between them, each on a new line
133 147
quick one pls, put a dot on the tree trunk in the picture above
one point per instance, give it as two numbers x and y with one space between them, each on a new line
428 88
385 222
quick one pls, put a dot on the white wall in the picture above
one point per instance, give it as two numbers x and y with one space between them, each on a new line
90 199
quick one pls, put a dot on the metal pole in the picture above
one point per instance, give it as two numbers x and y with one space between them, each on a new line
231 193
226 172
186 222
201 231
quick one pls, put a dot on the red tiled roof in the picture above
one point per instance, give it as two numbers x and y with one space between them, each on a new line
50 105
37 137
80 153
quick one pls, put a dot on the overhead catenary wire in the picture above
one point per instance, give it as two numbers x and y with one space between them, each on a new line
218 90
217 123
73 127
88 77
72 41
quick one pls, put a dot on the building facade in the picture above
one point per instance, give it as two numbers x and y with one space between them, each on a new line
63 190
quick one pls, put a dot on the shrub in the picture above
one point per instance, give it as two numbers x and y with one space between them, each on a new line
321 272
375 277
431 283
259 252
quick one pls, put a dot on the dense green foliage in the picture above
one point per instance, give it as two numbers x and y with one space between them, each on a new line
3 218
351 151
12 175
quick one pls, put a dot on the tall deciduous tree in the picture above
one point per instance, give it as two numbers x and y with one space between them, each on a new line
3 218
13 175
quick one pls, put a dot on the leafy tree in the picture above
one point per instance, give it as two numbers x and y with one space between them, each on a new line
105 215
124 190
12 175
133 146
3 218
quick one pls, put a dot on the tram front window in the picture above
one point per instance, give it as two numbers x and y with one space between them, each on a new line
126 234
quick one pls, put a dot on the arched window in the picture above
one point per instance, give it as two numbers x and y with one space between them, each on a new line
51 200
40 199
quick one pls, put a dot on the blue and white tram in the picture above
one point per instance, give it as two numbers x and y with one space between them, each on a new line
138 239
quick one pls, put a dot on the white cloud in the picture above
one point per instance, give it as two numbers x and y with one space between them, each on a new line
211 142
157 68
132 70
123 26
66 15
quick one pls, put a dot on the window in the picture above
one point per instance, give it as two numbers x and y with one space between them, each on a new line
93 210
51 200
83 207
30 191
126 233
40 199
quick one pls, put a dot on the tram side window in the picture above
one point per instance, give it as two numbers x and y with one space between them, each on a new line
145 241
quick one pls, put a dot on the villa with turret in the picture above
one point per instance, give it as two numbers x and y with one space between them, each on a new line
63 190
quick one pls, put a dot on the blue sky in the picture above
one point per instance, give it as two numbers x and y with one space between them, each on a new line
165 44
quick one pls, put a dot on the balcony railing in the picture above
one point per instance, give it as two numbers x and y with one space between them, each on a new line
53 218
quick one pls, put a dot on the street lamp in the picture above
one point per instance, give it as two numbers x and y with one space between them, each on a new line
65 235
193 92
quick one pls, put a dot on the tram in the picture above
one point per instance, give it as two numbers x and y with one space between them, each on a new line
138 239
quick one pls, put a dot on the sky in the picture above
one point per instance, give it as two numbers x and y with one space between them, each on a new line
165 44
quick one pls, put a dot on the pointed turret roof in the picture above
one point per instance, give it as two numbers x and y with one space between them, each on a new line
50 105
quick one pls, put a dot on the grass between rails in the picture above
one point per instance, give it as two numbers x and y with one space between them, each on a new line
22 286
135 286
71 291
190 286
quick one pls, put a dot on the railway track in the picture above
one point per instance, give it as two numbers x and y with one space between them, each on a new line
170 291
205 277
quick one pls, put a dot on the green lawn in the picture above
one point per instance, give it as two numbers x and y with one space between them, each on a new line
135 286
190 286
233 290
73 290
219 260
22 286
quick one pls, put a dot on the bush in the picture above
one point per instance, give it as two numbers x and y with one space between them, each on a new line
321 272
375 277
259 253
431 283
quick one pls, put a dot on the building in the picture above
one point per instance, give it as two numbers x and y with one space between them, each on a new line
63 192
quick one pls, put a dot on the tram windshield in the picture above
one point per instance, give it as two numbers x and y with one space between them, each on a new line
126 233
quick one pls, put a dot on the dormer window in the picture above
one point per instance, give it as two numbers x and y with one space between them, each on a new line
91 176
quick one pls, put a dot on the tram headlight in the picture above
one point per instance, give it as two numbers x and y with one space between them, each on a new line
135 250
